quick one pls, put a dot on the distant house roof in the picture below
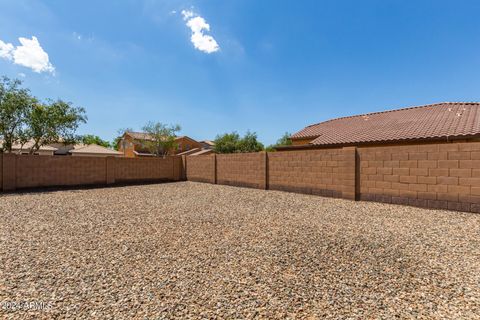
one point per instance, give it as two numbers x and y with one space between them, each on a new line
202 152
429 122
139 135
185 153
28 146
94 149
147 136
208 142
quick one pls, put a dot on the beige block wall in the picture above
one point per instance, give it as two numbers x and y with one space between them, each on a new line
242 169
201 168
31 171
327 172
144 169
445 176
1 171
40 171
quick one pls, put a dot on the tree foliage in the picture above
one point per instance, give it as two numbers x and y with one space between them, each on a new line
161 138
285 140
24 118
233 143
93 139
52 122
15 105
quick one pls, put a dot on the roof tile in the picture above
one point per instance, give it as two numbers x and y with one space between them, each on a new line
448 119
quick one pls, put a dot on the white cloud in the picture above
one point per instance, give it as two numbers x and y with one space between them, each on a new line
6 50
187 14
28 54
198 25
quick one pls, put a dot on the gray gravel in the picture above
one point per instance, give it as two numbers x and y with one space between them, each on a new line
191 250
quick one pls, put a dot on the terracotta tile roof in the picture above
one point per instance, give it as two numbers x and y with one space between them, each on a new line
434 121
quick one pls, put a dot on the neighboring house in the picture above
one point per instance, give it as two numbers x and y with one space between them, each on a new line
189 152
196 152
132 144
94 150
90 150
25 149
203 152
441 122
207 144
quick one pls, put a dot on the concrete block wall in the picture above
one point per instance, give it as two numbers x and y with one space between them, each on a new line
200 168
1 171
31 171
242 169
325 172
43 171
145 169
443 176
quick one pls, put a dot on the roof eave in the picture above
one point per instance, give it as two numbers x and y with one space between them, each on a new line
372 143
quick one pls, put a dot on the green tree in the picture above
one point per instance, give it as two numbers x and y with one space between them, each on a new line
249 143
285 140
227 143
15 105
92 139
162 138
52 122
233 143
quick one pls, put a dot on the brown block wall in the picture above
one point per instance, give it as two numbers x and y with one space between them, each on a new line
444 176
26 171
149 169
242 169
1 172
326 172
44 171
201 168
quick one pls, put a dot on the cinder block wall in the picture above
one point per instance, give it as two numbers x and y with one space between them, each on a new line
242 169
43 171
29 171
200 168
1 171
445 176
327 172
145 169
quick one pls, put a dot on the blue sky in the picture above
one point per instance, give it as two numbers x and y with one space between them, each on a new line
268 66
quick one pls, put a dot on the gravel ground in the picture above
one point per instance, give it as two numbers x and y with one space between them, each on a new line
191 250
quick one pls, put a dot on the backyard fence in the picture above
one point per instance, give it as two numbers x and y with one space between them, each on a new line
31 171
443 176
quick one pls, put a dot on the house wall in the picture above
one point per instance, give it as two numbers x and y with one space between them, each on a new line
129 149
28 171
185 144
200 168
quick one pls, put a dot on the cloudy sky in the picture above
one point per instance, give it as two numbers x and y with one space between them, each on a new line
216 66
